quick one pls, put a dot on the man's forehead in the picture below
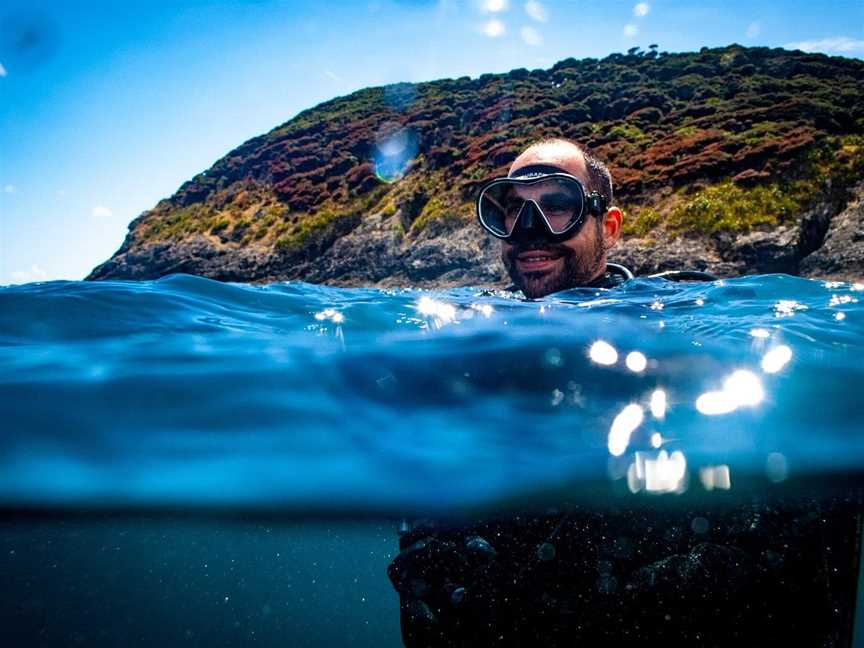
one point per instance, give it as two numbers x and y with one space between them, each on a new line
565 157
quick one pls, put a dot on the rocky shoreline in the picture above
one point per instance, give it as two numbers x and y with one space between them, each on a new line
731 160
825 244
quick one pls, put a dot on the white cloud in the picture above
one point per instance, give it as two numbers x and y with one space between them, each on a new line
10 189
753 30
35 273
330 74
531 36
494 6
100 211
630 29
641 9
536 11
842 44
494 28
2 70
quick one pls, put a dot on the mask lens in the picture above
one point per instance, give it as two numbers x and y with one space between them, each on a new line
560 199
499 207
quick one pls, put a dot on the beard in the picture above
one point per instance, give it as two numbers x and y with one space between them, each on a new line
574 269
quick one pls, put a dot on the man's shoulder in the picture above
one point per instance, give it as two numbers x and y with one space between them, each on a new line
615 275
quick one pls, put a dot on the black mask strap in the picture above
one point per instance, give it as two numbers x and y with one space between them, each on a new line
536 170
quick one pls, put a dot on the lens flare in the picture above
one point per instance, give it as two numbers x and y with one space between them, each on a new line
636 361
741 388
715 477
484 309
622 427
441 313
776 359
788 307
395 148
745 387
715 402
330 314
658 473
658 403
603 353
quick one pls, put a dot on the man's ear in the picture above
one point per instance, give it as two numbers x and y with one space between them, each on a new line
611 227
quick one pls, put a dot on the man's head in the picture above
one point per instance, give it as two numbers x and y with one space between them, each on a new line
540 266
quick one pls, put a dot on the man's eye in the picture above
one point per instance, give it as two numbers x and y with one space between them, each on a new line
557 206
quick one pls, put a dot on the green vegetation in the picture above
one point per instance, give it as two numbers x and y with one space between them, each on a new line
686 131
761 131
178 224
309 228
628 132
726 207
439 212
641 221
220 225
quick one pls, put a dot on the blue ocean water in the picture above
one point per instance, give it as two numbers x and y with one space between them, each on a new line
186 392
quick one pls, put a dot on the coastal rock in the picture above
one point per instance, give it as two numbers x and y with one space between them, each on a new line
733 160
841 256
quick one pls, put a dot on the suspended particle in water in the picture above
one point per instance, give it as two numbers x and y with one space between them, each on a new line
553 358
700 525
546 552
776 467
458 596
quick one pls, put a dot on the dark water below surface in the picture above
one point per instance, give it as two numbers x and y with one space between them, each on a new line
95 580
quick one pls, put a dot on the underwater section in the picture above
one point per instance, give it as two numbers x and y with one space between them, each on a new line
186 392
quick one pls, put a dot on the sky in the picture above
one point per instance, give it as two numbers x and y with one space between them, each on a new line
106 108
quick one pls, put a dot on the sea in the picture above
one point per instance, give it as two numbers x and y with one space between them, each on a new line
190 462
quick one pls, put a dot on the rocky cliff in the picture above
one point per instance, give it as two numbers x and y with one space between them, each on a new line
735 160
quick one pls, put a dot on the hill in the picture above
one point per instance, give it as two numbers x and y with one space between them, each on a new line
732 159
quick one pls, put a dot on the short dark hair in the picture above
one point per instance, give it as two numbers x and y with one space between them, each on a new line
599 178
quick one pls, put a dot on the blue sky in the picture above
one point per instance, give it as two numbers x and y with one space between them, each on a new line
107 107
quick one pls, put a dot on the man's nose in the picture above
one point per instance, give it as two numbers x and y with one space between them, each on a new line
530 217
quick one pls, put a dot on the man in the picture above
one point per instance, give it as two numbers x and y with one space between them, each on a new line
554 179
620 572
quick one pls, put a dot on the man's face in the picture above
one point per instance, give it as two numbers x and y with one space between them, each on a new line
540 267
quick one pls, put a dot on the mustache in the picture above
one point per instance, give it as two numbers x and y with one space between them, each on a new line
551 248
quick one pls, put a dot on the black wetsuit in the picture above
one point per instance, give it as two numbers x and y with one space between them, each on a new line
752 572
745 571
